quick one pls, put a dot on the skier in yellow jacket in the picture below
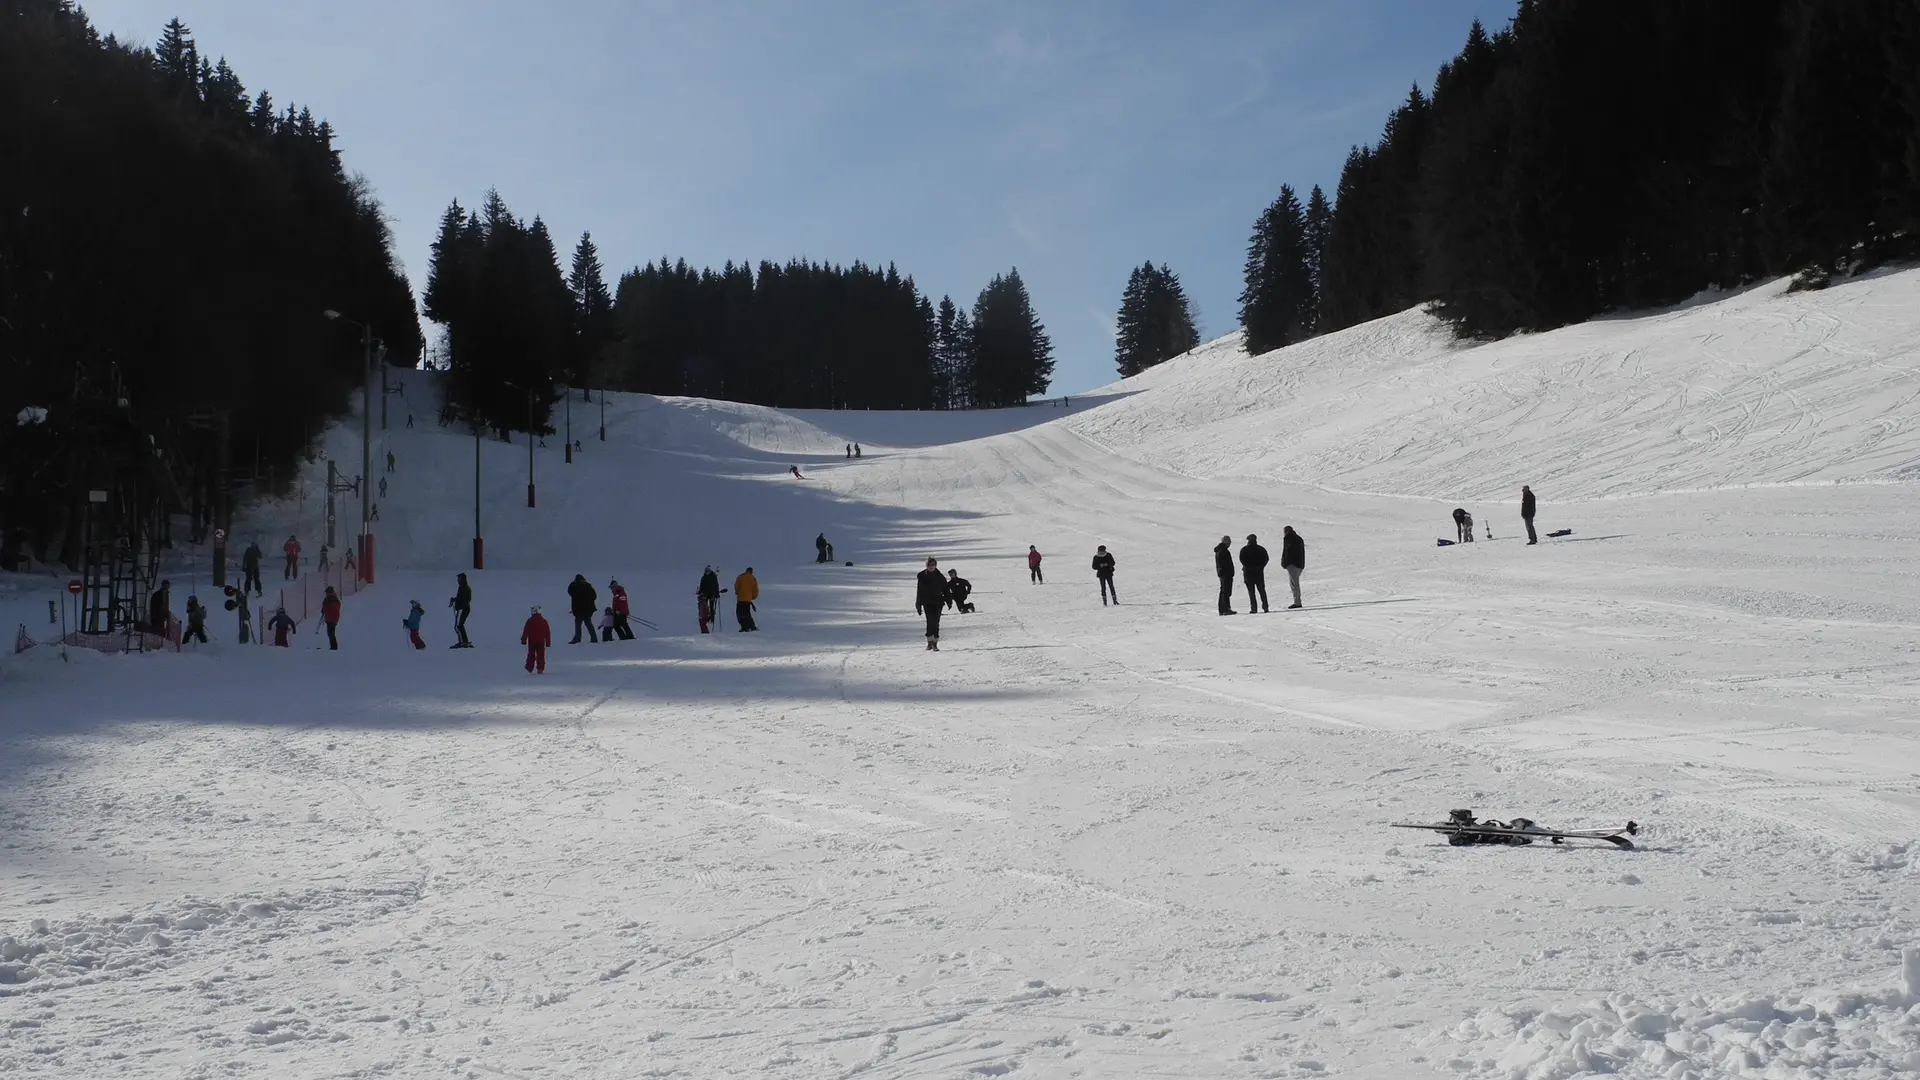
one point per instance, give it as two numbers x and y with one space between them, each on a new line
746 589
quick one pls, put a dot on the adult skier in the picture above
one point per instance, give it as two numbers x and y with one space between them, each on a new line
709 596
1223 569
958 589
929 598
1463 525
250 564
330 614
536 635
462 604
1253 570
282 626
1103 571
196 621
620 610
585 605
1293 559
415 616
1526 512
292 549
160 608
1033 564
795 470
746 589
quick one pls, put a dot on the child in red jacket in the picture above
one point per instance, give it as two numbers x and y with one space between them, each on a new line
536 636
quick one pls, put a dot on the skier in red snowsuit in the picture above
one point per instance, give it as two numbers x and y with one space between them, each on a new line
536 636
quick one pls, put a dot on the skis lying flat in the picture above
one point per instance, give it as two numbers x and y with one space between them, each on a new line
1470 834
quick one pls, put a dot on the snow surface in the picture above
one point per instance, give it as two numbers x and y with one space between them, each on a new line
1143 840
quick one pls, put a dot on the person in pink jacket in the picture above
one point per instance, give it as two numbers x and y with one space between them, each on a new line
1033 564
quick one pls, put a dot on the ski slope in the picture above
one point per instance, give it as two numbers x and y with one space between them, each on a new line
1144 840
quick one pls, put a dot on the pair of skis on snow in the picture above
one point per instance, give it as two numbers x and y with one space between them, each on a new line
1443 542
1461 830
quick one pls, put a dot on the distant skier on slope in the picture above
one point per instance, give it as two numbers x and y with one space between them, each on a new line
708 594
795 470
537 636
196 621
746 590
1103 572
1463 525
1033 565
585 604
1293 559
1526 512
929 599
292 549
1223 569
958 589
1253 571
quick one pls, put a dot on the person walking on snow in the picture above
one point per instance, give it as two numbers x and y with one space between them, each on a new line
1463 525
462 604
250 564
389 461
1526 512
620 610
1253 570
330 614
415 616
282 626
585 605
160 608
746 590
849 451
292 548
958 589
709 596
1033 565
1293 559
196 621
536 635
324 562
383 487
1103 571
929 599
1223 568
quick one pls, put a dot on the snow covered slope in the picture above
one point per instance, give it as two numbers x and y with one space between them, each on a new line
1143 840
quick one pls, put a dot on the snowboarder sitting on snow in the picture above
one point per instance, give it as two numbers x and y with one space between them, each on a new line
1463 523
929 597
746 589
584 603
415 614
1103 571
709 596
282 626
957 590
536 635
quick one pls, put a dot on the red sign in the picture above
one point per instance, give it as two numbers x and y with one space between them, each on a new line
74 586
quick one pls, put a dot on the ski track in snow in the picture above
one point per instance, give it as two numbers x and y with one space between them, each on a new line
1079 841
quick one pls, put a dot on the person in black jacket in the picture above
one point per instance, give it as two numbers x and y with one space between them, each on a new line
1463 526
929 598
462 605
1526 512
709 595
957 590
1223 566
1293 559
586 604
1103 570
1253 570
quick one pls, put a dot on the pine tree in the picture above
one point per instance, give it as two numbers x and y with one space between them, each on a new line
1277 302
1318 221
594 327
1012 357
1155 321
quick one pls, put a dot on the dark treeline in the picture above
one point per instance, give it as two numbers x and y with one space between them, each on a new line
1604 154
794 335
1155 321
169 238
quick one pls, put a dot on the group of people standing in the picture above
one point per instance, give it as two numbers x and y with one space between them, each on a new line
1463 521
1253 569
746 596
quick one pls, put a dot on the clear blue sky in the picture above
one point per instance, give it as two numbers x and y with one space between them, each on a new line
954 138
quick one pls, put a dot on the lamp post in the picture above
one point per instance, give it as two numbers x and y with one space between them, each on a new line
366 443
569 396
530 438
479 548
603 414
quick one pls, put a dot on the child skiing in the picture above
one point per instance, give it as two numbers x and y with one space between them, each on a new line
415 615
330 614
282 626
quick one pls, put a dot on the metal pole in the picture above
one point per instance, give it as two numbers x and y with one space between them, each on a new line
384 392
366 455
530 441
569 425
603 414
479 548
